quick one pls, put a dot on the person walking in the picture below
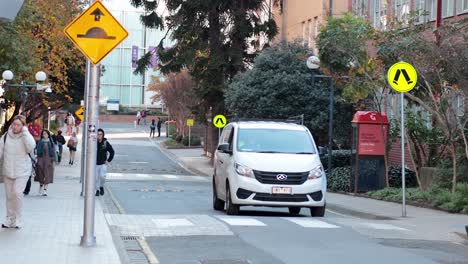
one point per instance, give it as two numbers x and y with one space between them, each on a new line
138 117
72 144
16 147
143 117
45 150
60 142
159 126
70 123
102 161
152 127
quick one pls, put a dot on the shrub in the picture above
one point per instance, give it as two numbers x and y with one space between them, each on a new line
179 138
340 158
339 179
394 177
194 141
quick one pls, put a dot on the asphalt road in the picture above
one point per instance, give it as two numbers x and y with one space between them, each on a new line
171 208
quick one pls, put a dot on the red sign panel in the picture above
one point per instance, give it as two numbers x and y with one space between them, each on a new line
371 140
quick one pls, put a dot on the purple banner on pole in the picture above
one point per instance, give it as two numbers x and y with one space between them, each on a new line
154 56
134 56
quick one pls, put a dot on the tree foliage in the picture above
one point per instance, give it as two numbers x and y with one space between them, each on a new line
279 86
213 39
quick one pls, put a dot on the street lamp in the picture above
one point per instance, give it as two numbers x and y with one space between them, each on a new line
40 77
313 63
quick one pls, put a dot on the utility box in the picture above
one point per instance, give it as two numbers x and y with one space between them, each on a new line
370 131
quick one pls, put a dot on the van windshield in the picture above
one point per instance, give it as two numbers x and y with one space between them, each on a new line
275 141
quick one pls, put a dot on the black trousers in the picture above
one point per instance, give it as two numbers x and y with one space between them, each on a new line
159 132
27 189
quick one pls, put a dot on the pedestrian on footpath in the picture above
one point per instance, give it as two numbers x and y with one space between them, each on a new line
143 116
153 127
60 142
102 161
16 147
70 123
138 117
159 126
72 144
45 162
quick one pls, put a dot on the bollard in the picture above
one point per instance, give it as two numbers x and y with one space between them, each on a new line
134 124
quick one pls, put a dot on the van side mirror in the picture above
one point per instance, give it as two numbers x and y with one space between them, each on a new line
225 148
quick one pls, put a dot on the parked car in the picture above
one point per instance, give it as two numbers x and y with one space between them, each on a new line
260 163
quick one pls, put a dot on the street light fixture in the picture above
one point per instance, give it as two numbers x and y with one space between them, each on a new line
40 77
313 63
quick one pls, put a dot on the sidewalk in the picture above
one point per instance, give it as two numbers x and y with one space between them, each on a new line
53 225
426 224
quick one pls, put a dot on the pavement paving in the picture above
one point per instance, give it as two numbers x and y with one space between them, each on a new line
53 225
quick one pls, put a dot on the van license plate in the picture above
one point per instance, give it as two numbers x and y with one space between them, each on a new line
281 190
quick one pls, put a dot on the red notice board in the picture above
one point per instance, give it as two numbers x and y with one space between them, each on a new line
371 139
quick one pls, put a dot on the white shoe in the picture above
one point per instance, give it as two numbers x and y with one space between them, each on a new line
41 190
44 193
9 222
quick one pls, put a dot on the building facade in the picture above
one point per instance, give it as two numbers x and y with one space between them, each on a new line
118 83
301 19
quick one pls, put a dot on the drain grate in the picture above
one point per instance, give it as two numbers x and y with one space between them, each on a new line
129 238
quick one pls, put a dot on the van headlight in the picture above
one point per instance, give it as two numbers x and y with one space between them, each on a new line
244 171
316 173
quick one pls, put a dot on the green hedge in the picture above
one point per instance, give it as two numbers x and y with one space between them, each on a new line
340 158
194 141
339 181
394 177
436 197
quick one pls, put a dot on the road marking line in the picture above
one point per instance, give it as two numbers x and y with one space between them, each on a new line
170 176
310 223
152 259
240 221
172 222
340 214
383 226
138 162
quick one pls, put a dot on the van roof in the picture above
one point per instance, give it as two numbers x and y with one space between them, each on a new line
269 125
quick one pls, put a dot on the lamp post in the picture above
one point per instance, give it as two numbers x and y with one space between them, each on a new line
40 77
313 63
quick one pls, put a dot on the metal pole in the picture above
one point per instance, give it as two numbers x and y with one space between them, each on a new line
189 136
331 8
88 239
330 128
403 155
48 119
84 133
23 95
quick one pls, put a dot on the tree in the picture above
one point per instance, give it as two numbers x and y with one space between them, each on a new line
279 86
177 92
212 39
35 41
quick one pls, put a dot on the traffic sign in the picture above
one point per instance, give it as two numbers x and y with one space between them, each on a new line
80 113
402 77
96 32
219 121
189 122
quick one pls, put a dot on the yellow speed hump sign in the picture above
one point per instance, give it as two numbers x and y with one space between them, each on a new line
219 121
96 32
402 77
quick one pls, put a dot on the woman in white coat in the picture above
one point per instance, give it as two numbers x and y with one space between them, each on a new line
15 150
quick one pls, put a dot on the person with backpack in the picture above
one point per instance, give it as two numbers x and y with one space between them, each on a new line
45 162
72 144
102 161
152 127
16 147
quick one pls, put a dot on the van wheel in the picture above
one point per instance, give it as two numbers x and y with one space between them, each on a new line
317 211
294 210
231 209
218 204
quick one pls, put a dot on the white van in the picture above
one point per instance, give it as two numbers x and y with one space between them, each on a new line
262 163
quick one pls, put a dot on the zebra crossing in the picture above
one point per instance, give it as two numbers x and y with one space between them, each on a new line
192 225
154 177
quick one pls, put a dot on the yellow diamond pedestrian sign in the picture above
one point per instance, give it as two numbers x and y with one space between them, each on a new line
219 121
402 77
80 113
96 32
189 122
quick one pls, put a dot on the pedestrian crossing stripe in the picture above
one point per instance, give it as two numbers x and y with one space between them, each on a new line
310 223
241 221
383 226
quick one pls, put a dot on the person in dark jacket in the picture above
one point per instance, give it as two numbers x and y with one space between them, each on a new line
159 127
102 161
60 142
45 162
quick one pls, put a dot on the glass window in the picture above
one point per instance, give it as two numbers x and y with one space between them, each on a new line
109 92
113 59
112 75
402 9
462 6
227 135
447 8
136 95
274 141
